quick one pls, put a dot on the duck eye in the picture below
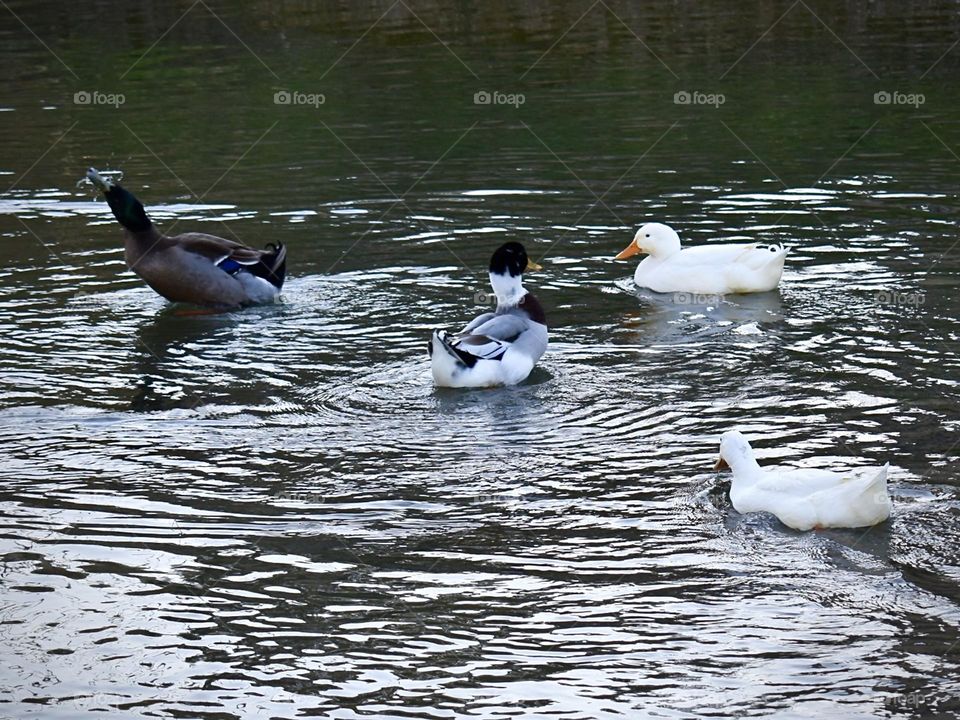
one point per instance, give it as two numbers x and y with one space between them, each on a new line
647 235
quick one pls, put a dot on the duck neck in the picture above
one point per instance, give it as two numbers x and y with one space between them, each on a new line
508 289
661 255
745 466
137 244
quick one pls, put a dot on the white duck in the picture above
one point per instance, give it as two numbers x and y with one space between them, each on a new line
803 499
495 348
707 269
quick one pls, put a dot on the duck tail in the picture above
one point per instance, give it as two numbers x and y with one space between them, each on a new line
879 481
877 496
777 254
464 359
446 360
273 265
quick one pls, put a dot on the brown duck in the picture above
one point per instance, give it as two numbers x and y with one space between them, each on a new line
193 267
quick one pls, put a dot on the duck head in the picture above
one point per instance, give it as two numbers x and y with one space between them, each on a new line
735 453
654 239
507 266
126 208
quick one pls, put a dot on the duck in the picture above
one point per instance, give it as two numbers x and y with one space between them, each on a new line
803 499
707 270
495 348
193 267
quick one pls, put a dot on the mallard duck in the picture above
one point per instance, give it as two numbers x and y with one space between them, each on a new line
193 267
803 499
500 347
706 270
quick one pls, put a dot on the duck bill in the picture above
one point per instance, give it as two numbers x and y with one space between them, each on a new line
531 265
721 464
631 250
103 184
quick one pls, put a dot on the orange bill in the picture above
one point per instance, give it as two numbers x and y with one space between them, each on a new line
721 464
631 250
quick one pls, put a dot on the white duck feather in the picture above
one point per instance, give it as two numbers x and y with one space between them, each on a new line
707 269
804 499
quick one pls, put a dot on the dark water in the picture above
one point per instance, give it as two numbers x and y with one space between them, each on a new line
272 513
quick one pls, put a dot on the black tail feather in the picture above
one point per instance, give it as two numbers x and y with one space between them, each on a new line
273 265
464 357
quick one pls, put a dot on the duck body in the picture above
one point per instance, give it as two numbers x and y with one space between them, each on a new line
192 267
500 347
708 269
804 499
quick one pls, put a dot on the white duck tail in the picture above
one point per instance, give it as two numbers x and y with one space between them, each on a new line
759 269
859 502
769 257
444 360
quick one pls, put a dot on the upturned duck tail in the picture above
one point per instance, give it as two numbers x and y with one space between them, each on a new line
273 265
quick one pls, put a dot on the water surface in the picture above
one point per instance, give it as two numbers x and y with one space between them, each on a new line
272 513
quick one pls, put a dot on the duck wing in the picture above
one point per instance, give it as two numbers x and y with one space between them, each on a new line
858 502
802 482
477 322
712 255
232 257
480 347
217 249
506 327
491 339
851 486
486 337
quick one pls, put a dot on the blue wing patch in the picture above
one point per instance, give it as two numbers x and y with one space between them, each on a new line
229 266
